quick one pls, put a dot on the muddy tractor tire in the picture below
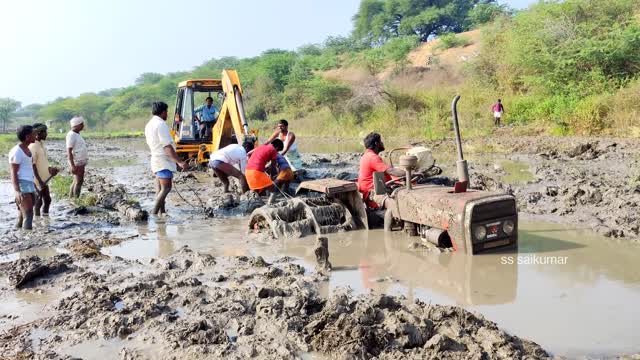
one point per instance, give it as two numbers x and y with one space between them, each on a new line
299 217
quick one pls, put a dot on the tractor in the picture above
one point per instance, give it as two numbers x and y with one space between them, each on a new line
455 217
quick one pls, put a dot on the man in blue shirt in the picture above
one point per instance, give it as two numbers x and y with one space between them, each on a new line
206 116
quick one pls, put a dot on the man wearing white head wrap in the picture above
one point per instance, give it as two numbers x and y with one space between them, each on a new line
77 155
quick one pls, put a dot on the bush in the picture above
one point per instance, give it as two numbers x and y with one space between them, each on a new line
590 115
393 52
450 40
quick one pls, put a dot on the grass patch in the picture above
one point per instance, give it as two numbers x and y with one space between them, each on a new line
451 40
60 185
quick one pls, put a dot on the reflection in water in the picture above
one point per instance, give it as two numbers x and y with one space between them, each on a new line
162 238
376 260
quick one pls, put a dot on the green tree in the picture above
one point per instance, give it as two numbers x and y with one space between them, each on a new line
149 78
486 12
580 46
7 107
379 20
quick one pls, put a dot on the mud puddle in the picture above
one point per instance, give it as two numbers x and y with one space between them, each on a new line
42 252
218 237
567 289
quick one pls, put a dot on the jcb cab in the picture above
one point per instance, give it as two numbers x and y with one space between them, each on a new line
230 127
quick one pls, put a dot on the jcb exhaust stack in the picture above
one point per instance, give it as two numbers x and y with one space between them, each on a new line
461 165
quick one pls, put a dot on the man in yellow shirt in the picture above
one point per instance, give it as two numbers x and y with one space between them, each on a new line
41 169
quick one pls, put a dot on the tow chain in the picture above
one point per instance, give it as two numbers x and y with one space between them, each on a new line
183 175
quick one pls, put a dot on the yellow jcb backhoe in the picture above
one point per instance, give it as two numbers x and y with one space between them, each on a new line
230 127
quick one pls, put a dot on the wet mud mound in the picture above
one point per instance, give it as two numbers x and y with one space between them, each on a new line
196 306
114 197
382 327
24 271
232 204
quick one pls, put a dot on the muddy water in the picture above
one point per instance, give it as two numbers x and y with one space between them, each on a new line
572 292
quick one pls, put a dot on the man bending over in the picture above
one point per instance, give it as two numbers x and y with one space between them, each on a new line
224 162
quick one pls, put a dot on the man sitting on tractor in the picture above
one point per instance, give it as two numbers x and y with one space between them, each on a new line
206 116
371 162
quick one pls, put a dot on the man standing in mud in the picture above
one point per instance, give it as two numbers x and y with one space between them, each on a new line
371 162
498 110
163 154
77 155
41 169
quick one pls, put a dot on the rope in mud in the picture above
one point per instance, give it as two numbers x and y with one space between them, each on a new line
183 177
286 196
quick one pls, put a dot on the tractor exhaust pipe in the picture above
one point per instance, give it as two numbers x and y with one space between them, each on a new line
461 165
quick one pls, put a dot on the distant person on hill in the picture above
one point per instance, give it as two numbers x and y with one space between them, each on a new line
290 151
206 115
163 154
21 162
498 110
231 160
77 155
257 178
41 169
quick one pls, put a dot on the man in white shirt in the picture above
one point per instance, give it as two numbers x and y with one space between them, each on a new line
224 162
163 154
21 163
77 155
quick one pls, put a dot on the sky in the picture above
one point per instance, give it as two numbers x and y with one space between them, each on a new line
59 48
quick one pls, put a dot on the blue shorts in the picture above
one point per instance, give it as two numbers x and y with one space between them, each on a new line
164 174
26 186
215 163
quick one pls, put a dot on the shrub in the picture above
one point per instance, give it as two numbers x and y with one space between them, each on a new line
450 40
590 115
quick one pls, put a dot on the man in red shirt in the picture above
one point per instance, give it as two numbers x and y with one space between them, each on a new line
257 178
498 110
371 162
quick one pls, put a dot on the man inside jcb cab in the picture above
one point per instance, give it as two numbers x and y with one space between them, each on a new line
206 115
371 162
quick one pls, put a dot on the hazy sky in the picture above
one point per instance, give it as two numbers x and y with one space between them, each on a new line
52 48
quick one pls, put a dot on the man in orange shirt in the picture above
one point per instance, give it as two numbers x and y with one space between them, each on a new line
371 162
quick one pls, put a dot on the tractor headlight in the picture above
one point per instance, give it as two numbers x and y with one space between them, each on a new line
508 227
480 232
